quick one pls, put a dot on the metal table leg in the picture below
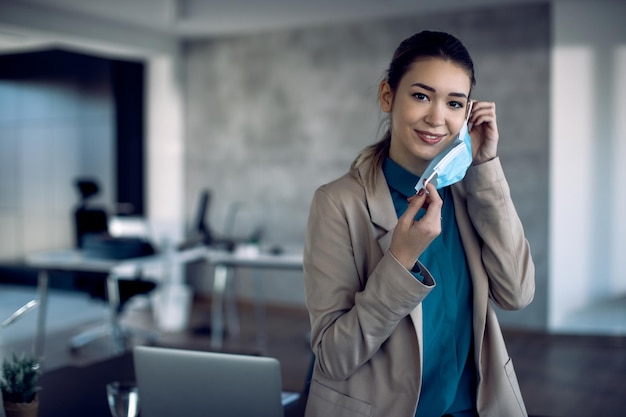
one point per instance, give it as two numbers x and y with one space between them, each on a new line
42 296
261 322
113 296
232 316
220 277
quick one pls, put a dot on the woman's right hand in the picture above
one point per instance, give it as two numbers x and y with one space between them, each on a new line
411 237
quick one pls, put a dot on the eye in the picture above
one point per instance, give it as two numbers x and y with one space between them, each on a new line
420 96
456 104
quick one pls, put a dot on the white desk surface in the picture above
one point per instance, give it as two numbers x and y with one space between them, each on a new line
285 260
75 260
69 259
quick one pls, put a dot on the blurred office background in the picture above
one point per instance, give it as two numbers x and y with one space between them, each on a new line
261 102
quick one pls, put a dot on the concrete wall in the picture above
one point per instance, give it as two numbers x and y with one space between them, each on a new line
271 117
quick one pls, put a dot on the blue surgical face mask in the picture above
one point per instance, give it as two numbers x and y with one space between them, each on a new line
450 165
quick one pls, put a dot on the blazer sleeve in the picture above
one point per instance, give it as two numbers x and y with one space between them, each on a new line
505 252
353 310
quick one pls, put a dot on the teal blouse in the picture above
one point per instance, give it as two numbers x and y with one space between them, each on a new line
449 376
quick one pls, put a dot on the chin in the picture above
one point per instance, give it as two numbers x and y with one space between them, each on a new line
429 154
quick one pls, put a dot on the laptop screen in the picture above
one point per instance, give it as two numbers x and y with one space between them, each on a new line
177 382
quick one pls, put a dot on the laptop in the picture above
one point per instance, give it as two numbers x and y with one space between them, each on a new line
179 382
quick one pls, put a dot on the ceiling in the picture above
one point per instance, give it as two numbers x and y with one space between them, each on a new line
24 23
215 17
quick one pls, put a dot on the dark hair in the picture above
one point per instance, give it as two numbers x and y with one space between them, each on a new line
428 44
425 44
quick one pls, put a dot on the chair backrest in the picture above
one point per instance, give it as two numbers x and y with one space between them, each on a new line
89 221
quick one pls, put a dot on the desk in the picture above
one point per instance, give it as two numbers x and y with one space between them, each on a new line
73 260
80 391
224 263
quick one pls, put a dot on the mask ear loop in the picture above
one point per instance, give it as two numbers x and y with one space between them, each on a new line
469 113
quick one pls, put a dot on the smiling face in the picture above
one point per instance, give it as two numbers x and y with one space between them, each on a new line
426 111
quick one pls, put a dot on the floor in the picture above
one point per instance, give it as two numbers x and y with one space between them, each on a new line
570 376
560 375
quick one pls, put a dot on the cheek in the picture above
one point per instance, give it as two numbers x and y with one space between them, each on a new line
455 127
408 116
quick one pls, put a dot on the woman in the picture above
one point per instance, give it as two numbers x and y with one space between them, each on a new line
399 285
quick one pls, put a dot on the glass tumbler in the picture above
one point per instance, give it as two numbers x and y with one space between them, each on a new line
123 398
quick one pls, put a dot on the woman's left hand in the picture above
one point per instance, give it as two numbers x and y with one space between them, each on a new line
484 131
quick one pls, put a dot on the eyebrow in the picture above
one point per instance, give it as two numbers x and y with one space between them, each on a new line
429 88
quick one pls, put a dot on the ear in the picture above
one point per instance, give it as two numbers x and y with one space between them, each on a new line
468 113
385 96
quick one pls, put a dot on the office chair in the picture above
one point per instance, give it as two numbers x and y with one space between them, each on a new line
89 220
92 236
19 313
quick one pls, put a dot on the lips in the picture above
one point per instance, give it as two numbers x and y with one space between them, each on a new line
429 138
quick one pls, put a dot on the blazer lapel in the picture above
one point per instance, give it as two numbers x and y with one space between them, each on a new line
382 212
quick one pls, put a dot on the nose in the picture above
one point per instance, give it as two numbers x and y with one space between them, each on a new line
435 116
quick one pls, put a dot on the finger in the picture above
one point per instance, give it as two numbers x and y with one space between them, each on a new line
434 204
431 192
482 110
484 123
415 203
478 105
483 120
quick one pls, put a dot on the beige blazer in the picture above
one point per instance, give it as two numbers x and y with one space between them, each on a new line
365 307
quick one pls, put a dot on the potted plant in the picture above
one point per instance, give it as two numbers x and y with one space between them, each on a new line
18 384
